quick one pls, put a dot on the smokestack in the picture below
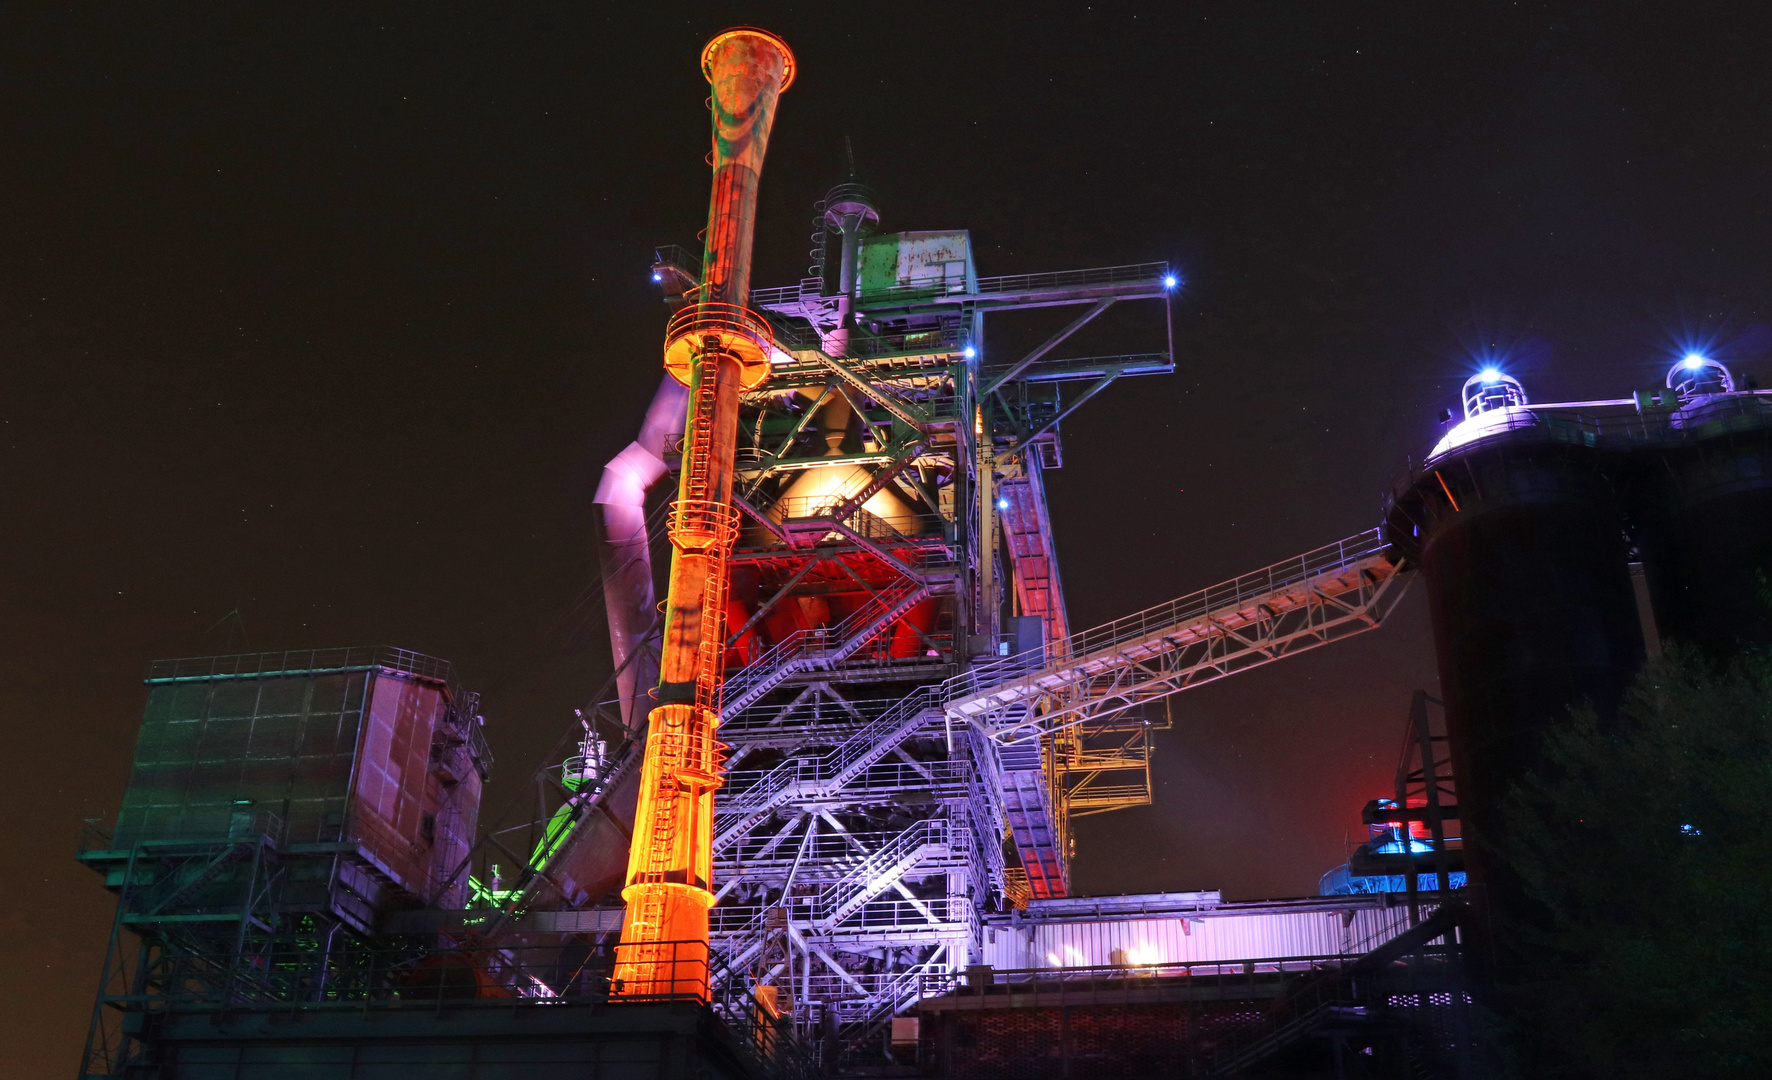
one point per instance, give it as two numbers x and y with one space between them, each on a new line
717 348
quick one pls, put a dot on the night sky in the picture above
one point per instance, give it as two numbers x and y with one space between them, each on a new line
317 323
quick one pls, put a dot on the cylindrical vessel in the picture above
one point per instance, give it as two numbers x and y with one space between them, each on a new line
1702 508
717 348
1520 541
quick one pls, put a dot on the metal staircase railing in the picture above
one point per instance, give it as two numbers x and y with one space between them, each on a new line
1308 600
820 648
804 776
879 870
842 899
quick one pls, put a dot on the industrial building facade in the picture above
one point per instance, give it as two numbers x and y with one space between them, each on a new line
819 818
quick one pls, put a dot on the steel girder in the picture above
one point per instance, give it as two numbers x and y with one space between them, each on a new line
1322 596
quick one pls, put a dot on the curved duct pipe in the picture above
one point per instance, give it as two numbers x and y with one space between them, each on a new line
624 552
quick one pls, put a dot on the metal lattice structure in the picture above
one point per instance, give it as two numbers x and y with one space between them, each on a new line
1309 600
849 743
894 501
912 724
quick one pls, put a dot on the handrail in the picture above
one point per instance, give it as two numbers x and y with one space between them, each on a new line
1155 273
1184 610
868 744
848 637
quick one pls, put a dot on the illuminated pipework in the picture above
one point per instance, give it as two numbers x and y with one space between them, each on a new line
717 348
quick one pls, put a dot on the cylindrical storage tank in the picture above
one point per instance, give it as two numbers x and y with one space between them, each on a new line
1519 539
1702 506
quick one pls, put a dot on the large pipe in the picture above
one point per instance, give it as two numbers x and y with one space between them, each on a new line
625 556
716 348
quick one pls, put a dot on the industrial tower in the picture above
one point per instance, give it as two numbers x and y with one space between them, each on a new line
837 773
911 723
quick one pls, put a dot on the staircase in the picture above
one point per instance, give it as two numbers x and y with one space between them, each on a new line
804 777
865 879
820 649
879 870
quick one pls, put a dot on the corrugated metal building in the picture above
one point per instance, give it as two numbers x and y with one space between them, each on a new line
1189 928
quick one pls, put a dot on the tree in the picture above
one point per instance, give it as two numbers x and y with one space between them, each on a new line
1649 842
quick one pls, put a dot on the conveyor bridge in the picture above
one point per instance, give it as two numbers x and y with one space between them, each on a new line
1309 600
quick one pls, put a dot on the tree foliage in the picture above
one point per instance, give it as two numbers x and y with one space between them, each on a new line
1649 842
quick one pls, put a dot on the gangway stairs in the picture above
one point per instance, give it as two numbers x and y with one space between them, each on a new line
737 812
1309 600
820 649
931 841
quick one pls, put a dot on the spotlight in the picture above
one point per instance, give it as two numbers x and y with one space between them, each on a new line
656 276
969 352
1169 281
1491 374
1692 362
1002 504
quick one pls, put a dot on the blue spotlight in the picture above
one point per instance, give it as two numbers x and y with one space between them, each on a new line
1002 504
969 352
1169 281
1491 374
656 276
1693 362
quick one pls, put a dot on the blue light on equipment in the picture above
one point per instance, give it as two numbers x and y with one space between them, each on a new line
657 276
969 352
1692 362
1169 281
1491 374
1002 504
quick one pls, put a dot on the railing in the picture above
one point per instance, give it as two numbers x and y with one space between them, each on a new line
1054 985
1061 369
1323 994
1589 423
864 343
876 872
886 528
300 662
726 321
294 977
221 827
835 768
781 294
740 926
879 778
825 643
1185 610
816 712
828 847
680 257
1152 272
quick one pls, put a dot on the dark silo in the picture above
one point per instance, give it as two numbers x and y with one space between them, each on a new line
1702 506
1515 527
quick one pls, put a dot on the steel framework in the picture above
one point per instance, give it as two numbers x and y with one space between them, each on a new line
912 722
